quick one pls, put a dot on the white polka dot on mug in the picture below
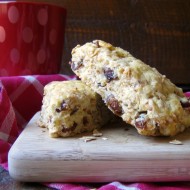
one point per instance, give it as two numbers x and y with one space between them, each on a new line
43 17
14 55
4 72
13 14
41 56
2 34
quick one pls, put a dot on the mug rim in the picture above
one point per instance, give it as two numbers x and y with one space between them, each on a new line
34 3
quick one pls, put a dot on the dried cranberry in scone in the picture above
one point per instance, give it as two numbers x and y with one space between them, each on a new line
185 102
114 104
141 120
109 73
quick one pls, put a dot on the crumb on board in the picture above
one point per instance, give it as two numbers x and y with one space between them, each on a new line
94 136
96 133
176 142
88 138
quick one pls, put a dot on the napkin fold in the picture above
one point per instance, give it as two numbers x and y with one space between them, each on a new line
20 98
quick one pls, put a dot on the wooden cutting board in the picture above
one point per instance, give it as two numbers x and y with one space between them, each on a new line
125 156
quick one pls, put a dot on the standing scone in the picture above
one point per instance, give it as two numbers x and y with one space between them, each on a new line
70 108
131 89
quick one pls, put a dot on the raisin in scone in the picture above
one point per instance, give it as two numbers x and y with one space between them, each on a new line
132 89
71 107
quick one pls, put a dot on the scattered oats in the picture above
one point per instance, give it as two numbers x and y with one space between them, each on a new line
176 142
88 138
163 78
96 133
104 138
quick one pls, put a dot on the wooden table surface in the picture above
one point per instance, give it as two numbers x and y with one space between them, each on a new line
155 31
7 183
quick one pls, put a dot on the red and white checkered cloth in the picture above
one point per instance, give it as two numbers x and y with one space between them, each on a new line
20 99
25 93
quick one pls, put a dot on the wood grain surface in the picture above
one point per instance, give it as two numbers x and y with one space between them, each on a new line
125 156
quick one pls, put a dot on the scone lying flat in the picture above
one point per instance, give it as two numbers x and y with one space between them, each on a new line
131 89
71 107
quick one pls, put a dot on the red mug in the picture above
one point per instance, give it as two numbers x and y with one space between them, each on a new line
31 38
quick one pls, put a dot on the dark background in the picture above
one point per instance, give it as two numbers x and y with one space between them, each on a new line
155 31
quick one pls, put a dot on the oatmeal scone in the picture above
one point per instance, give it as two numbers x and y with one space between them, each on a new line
71 107
132 89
